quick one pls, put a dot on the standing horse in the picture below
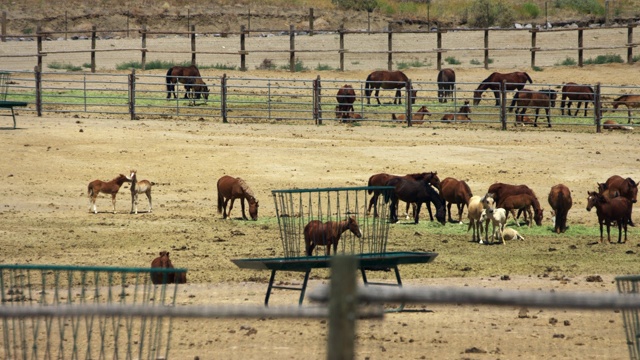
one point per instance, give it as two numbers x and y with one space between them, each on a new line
231 188
318 233
139 187
164 262
388 80
107 187
419 192
560 201
523 202
630 101
609 210
455 192
190 76
616 184
543 99
346 97
416 118
381 179
513 81
446 84
499 191
579 93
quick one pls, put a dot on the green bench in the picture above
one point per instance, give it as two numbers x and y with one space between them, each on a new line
7 104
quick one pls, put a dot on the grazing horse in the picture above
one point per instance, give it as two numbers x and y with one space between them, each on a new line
616 184
461 115
560 201
164 262
318 233
523 202
630 101
381 179
543 99
514 81
107 187
419 192
416 118
579 93
499 191
346 97
232 188
446 84
609 210
457 192
190 76
388 80
139 187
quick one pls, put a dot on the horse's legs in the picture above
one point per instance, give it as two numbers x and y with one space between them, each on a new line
629 121
460 210
497 95
398 97
149 197
547 110
134 203
449 210
244 216
373 202
227 214
417 212
428 206
378 95
113 201
586 104
407 211
601 238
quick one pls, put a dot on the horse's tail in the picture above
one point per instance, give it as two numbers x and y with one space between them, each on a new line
170 86
528 78
220 201
369 191
90 190
368 87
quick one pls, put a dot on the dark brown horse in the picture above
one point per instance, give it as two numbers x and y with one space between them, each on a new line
523 202
381 179
542 99
514 81
609 210
107 187
560 201
163 262
418 192
457 192
446 84
579 93
318 233
630 101
461 116
194 86
616 185
346 97
388 80
416 118
232 188
499 191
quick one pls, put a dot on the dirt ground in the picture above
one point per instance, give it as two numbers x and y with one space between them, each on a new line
47 163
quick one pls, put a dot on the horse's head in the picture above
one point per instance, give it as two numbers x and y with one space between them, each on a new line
353 226
205 92
537 217
253 208
162 261
477 95
441 214
593 199
632 189
414 94
122 179
423 110
488 201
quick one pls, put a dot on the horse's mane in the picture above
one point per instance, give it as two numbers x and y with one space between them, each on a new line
246 188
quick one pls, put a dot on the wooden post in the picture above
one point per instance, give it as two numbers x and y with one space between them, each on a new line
341 32
407 87
629 42
580 51
606 12
93 48
143 62
597 105
243 56
249 19
132 94
503 104
4 26
390 47
39 47
486 48
193 44
292 49
369 22
534 33
342 308
66 28
439 46
310 21
38 80
317 115
223 98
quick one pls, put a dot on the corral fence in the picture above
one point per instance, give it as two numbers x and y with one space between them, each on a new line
389 47
273 100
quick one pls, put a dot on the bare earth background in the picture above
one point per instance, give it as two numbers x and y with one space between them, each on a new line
47 163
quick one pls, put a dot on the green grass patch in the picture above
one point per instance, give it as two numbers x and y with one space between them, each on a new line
324 67
478 62
537 68
568 61
452 60
604 59
298 67
411 64
63 66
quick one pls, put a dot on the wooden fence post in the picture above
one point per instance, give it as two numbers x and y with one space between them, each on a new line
341 32
143 62
292 49
503 104
193 44
597 108
342 308
407 102
534 33
39 47
310 21
580 51
486 48
629 42
38 80
132 94
390 47
93 48
243 55
439 46
4 26
223 98
317 112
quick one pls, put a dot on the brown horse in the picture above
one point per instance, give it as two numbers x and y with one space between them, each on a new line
461 116
318 233
613 125
381 179
630 101
194 86
139 187
579 93
616 185
514 81
418 192
346 97
164 262
542 99
522 202
560 201
388 80
609 210
446 84
107 187
523 120
416 118
499 191
457 192
232 188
